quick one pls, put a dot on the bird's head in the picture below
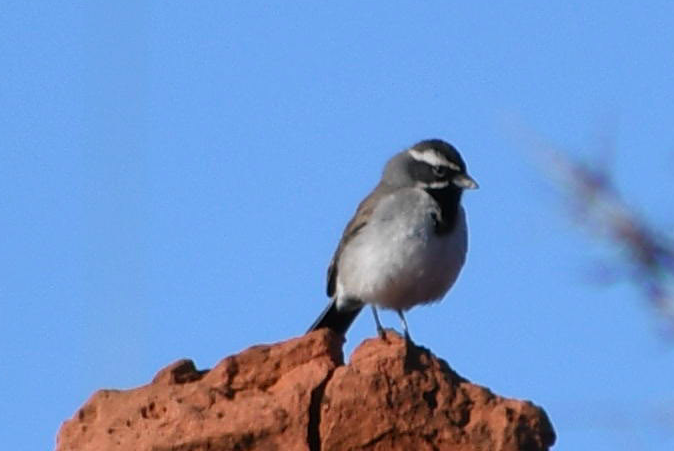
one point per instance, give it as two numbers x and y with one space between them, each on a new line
431 164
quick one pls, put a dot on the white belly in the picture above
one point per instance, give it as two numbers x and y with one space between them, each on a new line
396 262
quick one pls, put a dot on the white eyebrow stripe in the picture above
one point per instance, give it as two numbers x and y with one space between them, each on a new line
433 158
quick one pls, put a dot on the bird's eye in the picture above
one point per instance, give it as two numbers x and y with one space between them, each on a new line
439 171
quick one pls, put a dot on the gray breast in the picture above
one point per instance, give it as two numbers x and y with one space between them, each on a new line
397 260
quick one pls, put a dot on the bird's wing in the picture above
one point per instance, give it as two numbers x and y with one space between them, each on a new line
355 225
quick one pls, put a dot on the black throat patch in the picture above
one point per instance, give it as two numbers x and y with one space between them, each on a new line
448 199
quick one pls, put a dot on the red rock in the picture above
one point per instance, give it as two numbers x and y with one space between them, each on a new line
398 397
298 395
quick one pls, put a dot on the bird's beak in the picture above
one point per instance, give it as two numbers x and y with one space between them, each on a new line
464 181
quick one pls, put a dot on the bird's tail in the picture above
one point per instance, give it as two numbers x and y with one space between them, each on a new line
336 320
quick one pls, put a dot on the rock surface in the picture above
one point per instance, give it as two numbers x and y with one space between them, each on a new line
298 395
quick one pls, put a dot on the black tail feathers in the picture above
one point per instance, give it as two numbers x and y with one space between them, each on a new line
336 320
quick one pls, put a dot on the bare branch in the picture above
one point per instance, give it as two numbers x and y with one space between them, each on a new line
646 252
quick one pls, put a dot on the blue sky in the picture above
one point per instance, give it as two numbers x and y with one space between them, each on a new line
174 177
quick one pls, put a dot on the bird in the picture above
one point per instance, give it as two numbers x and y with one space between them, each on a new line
407 241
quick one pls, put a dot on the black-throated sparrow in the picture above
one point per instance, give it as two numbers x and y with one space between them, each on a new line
406 243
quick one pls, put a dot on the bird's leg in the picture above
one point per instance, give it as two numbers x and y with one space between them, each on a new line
404 324
380 330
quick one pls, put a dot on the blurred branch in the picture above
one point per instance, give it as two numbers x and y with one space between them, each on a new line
647 254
